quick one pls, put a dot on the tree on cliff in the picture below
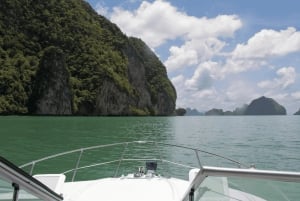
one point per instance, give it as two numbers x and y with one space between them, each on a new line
109 73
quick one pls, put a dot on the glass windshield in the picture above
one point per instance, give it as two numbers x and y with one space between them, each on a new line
246 189
7 192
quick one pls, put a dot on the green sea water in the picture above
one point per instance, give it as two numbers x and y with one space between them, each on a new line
269 142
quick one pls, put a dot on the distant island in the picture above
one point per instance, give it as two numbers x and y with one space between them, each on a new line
259 106
188 112
265 106
193 112
237 111
62 58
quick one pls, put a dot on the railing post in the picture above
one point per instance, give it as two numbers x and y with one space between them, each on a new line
198 158
191 195
121 159
160 155
32 166
77 164
16 191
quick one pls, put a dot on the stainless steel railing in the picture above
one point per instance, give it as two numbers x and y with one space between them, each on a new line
243 170
250 173
81 151
21 180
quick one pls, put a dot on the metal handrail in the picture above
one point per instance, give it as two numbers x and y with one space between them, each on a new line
129 159
252 173
204 171
22 180
82 150
209 153
121 159
69 152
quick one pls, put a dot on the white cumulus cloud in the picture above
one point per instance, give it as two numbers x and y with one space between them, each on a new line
286 77
160 21
153 22
203 77
193 52
268 43
181 57
261 47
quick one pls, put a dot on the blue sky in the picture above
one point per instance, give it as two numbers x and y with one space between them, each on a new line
219 53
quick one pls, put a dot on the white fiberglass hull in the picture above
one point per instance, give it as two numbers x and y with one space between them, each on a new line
204 183
133 189
149 189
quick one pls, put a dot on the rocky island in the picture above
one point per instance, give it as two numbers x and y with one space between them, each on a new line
265 106
62 58
297 113
214 112
259 106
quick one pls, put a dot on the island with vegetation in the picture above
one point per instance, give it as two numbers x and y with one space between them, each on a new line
62 58
259 106
297 113
237 111
265 106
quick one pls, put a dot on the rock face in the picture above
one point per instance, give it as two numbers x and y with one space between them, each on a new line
51 93
62 58
297 113
150 93
265 106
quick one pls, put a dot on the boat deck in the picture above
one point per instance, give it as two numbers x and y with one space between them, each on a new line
126 188
207 183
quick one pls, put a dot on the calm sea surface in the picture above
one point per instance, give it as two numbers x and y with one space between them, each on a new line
269 142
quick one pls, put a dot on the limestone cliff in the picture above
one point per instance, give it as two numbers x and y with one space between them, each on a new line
148 76
51 92
62 58
151 93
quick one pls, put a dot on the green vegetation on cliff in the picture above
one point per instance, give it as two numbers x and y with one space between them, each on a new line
95 53
155 76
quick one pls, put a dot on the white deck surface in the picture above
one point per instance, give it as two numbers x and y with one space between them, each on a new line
142 188
133 189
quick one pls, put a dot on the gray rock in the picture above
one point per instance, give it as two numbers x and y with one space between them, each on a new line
265 106
51 93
